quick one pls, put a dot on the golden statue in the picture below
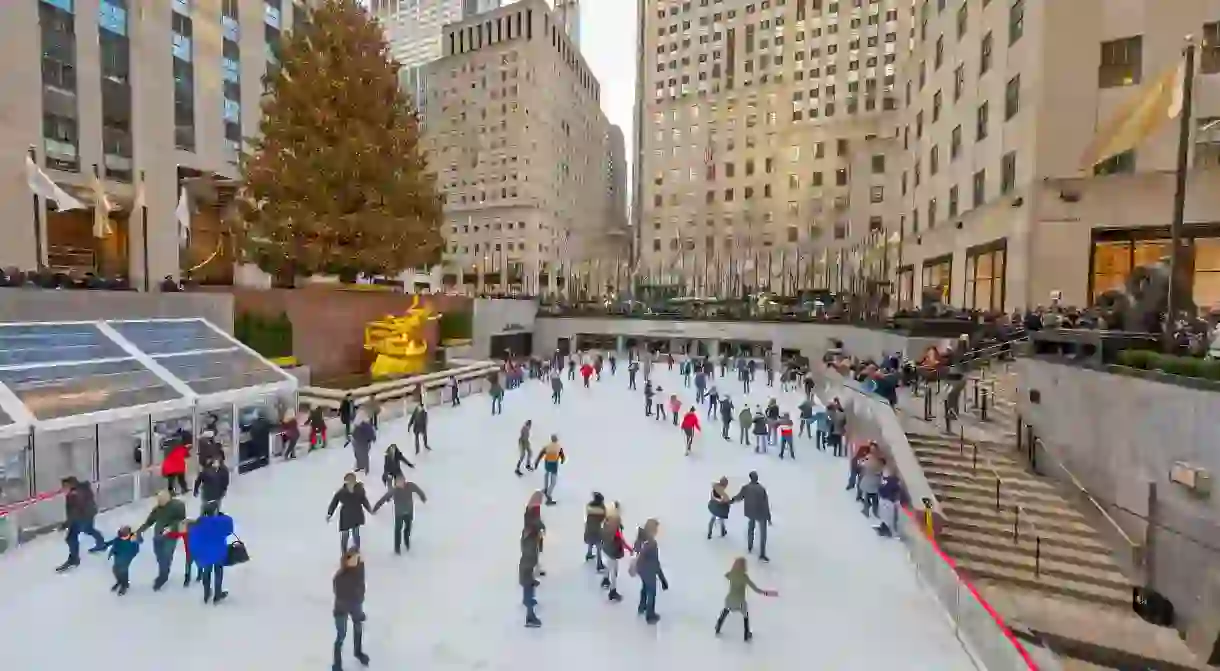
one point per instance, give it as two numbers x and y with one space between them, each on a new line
398 341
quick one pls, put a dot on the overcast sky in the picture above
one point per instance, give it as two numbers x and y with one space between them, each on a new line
608 44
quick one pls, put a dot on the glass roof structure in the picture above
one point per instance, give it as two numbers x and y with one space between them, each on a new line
74 373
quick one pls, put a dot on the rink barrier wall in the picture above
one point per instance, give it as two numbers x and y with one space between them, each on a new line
23 521
399 397
981 630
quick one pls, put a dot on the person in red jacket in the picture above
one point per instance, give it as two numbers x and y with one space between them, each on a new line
174 467
675 407
690 424
586 371
181 533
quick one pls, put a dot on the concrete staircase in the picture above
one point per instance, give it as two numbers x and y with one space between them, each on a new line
1008 526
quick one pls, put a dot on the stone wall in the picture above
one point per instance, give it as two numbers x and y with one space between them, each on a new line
500 316
45 305
1120 436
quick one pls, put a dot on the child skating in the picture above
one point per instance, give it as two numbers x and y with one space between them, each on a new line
735 601
123 550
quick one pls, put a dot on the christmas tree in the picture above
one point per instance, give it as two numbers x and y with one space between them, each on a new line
337 181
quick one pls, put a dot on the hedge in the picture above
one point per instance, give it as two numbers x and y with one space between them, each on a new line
456 326
1183 366
269 336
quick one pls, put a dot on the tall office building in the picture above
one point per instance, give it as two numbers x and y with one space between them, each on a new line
519 143
567 12
764 133
166 91
1000 101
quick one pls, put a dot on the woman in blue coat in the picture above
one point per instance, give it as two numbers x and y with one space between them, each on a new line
209 543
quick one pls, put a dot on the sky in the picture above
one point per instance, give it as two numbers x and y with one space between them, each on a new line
608 43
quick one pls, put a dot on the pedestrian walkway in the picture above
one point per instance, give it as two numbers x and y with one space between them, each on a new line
849 600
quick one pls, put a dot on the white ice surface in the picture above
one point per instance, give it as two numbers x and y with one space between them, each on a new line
849 601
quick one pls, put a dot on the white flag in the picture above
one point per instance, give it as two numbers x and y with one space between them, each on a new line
183 214
101 209
43 186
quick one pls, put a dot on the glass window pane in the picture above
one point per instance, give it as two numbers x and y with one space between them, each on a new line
1207 254
1111 265
50 392
212 372
14 470
22 344
1207 290
1148 252
171 337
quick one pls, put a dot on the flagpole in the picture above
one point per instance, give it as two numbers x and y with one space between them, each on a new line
38 263
1178 291
144 235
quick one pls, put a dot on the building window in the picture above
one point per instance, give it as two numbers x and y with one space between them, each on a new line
985 55
906 288
940 51
937 276
962 20
980 122
980 187
879 164
1209 57
876 194
841 177
1117 164
953 202
932 211
1008 172
1121 62
1016 21
934 160
1012 98
985 277
955 143
959 81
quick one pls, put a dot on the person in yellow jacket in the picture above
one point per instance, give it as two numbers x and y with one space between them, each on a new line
551 456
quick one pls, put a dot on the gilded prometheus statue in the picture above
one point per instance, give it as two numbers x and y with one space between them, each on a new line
399 341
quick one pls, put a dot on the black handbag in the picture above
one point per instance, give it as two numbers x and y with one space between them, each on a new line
237 553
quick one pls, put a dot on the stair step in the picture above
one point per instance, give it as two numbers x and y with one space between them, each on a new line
956 444
1030 521
1056 537
1023 560
1047 583
1098 555
1043 507
965 464
966 455
1032 490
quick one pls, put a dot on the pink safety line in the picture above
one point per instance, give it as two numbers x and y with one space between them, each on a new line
1012 638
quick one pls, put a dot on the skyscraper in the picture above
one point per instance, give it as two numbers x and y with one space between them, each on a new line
567 12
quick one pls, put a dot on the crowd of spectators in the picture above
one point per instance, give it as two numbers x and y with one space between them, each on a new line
52 279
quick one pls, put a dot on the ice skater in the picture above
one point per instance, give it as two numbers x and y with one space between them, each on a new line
718 504
529 567
347 412
614 547
524 454
556 389
553 455
418 426
209 542
123 550
497 394
80 508
735 600
647 567
352 501
595 516
391 467
349 589
213 483
403 494
690 424
726 416
455 394
633 367
758 513
163 519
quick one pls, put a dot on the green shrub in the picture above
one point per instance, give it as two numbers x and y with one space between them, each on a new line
1169 364
1136 358
269 336
456 325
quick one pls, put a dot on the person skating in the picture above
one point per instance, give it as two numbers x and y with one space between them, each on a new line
182 533
595 516
700 386
551 456
675 407
718 504
347 412
890 494
349 588
772 413
687 368
871 469
556 389
614 547
647 567
290 429
745 419
317 428
758 514
455 393
391 465
403 494
735 600
209 541
173 468
80 511
805 410
598 362
648 394
165 517
572 368
497 394
726 416
586 372
372 408
659 406
363 437
838 428
633 367
123 550
352 501
784 425
613 360
690 424
213 483
713 401
529 568
524 454
759 423
418 425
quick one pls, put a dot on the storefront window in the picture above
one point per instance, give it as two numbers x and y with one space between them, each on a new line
1111 265
1114 259
985 278
1207 273
937 274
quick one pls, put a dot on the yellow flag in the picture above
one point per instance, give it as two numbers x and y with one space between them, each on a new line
1135 121
101 209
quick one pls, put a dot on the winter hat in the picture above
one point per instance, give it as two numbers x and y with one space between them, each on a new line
598 498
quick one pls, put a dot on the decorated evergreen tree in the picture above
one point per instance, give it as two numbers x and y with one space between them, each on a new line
337 181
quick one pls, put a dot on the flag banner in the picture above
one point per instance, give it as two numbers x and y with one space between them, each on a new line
101 207
41 185
182 214
1139 118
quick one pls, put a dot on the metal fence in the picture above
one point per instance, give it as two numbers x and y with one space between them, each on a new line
975 623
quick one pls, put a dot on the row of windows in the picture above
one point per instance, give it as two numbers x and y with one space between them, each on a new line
978 184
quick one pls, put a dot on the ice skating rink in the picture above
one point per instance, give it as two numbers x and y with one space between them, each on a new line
849 601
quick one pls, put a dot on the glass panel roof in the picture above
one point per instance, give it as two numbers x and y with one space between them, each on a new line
171 337
25 344
212 372
51 392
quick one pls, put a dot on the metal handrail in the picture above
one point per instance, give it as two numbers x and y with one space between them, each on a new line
1013 494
